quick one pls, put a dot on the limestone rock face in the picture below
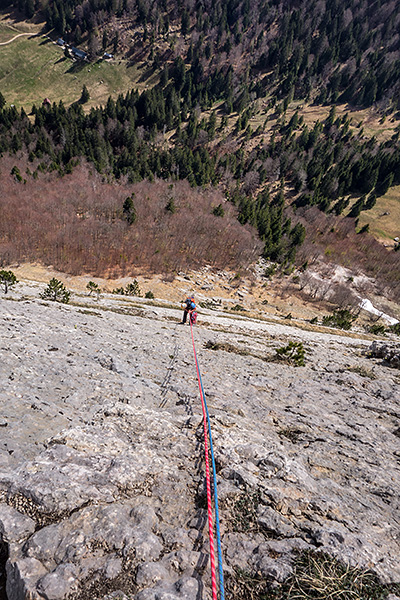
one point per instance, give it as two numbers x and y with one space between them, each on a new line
102 489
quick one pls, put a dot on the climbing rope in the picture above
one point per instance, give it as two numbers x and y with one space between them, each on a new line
207 426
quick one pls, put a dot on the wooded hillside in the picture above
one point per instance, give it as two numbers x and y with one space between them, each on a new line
346 51
233 82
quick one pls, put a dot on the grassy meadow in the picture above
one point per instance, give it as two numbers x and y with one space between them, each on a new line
33 67
384 218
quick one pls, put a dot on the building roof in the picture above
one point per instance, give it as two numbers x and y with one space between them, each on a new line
78 53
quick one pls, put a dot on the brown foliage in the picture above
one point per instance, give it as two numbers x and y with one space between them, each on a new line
76 224
335 240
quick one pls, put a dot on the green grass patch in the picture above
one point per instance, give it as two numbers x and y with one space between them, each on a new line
6 33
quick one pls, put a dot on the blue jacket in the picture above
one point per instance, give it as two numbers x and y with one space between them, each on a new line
190 305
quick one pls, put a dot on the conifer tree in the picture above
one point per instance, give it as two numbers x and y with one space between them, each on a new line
129 210
7 279
85 95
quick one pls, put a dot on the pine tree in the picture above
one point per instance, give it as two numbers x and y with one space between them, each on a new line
370 202
56 291
357 207
185 23
129 210
85 95
7 279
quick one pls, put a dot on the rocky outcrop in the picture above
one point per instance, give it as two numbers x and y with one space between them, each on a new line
389 352
101 466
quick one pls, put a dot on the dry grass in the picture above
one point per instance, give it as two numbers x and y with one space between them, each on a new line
369 118
316 576
320 576
210 345
384 218
362 371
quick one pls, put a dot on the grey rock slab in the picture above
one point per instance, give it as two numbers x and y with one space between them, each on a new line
274 570
14 526
150 573
103 448
274 523
185 588
22 577
58 584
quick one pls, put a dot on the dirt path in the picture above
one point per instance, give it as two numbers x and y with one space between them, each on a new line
14 38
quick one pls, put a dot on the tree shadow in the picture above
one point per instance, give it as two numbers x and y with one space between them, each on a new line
146 74
76 67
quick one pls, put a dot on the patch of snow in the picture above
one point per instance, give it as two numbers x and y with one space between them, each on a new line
369 307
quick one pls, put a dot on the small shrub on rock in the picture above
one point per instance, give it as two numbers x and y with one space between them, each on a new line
377 329
131 289
56 291
341 319
270 271
93 288
293 354
149 295
120 291
238 307
211 304
395 328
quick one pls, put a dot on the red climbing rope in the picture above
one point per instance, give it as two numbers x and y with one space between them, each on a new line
208 482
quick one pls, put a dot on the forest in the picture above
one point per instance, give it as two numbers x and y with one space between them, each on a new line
334 50
214 62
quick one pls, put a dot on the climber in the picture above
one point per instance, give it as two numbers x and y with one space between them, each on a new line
190 309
